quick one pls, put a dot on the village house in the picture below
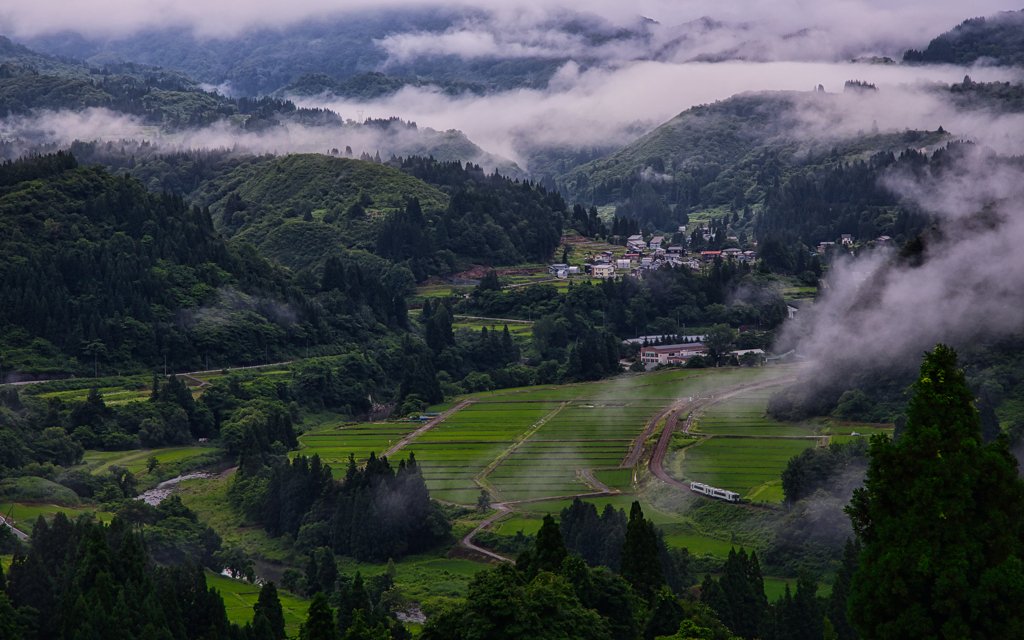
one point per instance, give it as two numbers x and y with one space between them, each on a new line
636 242
822 246
632 256
846 238
555 268
731 253
674 252
667 353
603 271
656 242
622 264
709 256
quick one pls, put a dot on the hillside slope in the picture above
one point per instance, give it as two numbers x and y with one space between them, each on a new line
726 159
997 39
97 272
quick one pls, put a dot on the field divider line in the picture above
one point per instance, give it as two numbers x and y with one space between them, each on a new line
481 478
427 427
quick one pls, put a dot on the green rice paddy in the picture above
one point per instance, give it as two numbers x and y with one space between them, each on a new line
530 443
239 598
738 464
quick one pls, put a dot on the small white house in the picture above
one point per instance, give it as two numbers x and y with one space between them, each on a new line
656 242
555 268
622 264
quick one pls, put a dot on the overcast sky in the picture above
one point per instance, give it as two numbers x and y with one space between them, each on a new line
911 21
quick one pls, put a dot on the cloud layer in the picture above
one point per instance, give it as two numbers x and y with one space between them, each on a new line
879 311
789 29
608 107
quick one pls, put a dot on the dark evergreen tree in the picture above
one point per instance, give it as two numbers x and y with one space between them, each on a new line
549 550
837 611
640 566
319 624
940 518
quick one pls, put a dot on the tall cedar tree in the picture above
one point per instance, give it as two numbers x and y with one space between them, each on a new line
550 549
640 565
837 611
319 623
940 518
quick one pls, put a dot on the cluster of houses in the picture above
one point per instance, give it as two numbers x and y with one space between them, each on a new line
641 256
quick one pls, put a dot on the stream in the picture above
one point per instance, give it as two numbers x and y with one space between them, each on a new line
157 494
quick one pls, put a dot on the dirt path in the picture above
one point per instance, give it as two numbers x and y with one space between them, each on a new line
467 541
426 427
588 475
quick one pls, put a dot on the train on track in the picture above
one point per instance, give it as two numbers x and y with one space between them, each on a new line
714 492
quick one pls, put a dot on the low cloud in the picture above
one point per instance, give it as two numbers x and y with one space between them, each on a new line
878 310
608 107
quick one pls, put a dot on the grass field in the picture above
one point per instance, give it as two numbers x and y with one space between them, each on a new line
135 461
26 514
239 598
738 464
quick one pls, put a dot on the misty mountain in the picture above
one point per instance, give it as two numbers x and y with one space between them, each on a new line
737 157
369 86
997 39
261 61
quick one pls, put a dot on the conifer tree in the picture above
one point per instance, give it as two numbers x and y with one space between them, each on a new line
837 613
940 517
269 607
319 623
549 548
640 565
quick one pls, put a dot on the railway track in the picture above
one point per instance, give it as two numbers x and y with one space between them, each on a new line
658 457
690 407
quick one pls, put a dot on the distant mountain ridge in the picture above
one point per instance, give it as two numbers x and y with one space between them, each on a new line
997 39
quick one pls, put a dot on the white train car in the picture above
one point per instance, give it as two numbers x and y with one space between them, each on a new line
714 492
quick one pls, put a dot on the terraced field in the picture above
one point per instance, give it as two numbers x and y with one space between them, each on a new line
584 434
334 442
530 443
744 415
742 465
453 453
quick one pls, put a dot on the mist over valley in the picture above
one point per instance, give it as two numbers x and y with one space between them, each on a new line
511 320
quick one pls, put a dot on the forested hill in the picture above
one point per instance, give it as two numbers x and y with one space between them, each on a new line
998 39
301 209
97 271
728 160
